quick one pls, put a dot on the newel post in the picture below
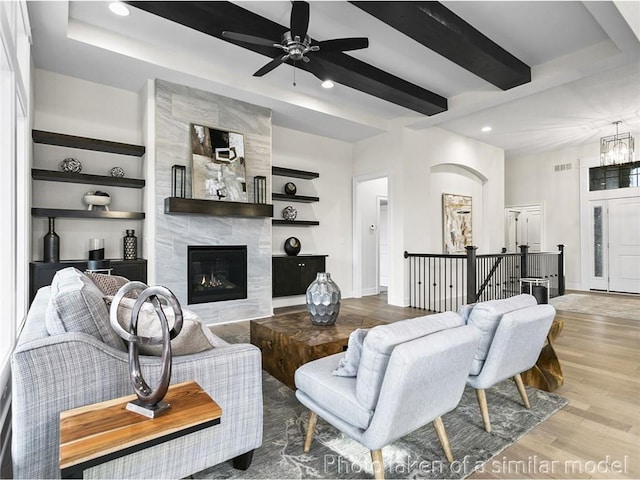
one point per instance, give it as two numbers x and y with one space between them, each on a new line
561 270
472 287
524 254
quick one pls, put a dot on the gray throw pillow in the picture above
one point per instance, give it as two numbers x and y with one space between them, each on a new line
348 366
76 305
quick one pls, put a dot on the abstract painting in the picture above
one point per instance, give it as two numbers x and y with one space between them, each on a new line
218 165
456 223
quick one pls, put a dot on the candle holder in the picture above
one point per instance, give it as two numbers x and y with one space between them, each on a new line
178 188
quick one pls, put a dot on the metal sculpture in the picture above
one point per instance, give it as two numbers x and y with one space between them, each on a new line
149 402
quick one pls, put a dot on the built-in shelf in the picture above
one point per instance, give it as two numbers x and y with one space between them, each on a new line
186 206
56 176
65 213
290 172
294 198
298 223
62 140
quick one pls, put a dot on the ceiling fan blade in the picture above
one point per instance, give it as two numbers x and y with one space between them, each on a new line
271 65
318 69
299 19
241 37
343 44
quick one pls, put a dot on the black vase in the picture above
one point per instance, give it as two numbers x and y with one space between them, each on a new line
292 246
130 246
51 244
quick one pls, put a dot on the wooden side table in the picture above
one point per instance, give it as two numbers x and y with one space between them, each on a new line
546 374
289 341
95 434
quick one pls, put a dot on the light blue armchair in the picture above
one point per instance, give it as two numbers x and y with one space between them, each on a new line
513 333
410 373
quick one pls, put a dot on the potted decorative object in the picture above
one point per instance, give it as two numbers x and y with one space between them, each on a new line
323 300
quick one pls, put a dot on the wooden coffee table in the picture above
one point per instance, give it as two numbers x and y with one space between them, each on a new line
289 341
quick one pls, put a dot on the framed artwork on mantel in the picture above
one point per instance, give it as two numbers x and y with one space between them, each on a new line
456 222
218 170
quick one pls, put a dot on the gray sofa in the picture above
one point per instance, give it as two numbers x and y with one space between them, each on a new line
56 372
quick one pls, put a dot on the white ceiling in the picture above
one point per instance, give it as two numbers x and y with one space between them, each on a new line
584 57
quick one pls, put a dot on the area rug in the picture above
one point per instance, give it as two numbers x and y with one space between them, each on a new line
418 455
622 306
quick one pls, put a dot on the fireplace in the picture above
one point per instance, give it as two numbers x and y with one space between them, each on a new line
216 273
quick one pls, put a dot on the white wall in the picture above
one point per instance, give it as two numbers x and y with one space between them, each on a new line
531 179
381 156
421 166
76 107
333 237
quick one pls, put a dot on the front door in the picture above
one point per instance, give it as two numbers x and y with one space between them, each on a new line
624 245
615 245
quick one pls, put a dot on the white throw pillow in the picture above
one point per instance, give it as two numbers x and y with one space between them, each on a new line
348 366
193 338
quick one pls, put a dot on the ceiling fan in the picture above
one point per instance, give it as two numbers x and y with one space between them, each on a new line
296 44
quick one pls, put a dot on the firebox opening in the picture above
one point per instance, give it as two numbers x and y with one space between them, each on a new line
216 273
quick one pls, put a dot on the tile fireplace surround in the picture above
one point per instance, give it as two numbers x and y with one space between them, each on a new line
176 107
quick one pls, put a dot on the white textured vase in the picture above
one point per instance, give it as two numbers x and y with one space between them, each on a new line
323 300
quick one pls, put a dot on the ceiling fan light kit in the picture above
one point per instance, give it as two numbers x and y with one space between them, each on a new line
296 44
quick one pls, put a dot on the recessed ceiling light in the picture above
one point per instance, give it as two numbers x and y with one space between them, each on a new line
327 84
119 8
486 129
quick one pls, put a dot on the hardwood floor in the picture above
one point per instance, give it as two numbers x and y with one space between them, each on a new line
598 434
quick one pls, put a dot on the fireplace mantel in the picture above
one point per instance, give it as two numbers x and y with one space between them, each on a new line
186 206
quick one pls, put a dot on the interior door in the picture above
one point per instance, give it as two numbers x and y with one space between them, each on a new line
523 227
534 234
624 245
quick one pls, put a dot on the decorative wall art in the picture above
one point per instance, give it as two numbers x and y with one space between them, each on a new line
218 171
456 223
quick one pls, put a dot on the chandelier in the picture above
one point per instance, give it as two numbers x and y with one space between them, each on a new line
616 149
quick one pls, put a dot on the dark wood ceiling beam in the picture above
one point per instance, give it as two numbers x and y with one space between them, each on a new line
438 28
213 18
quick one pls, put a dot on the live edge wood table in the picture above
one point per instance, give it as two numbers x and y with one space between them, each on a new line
289 341
101 432
546 374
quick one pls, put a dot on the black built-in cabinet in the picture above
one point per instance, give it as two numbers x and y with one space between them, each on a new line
41 273
292 275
